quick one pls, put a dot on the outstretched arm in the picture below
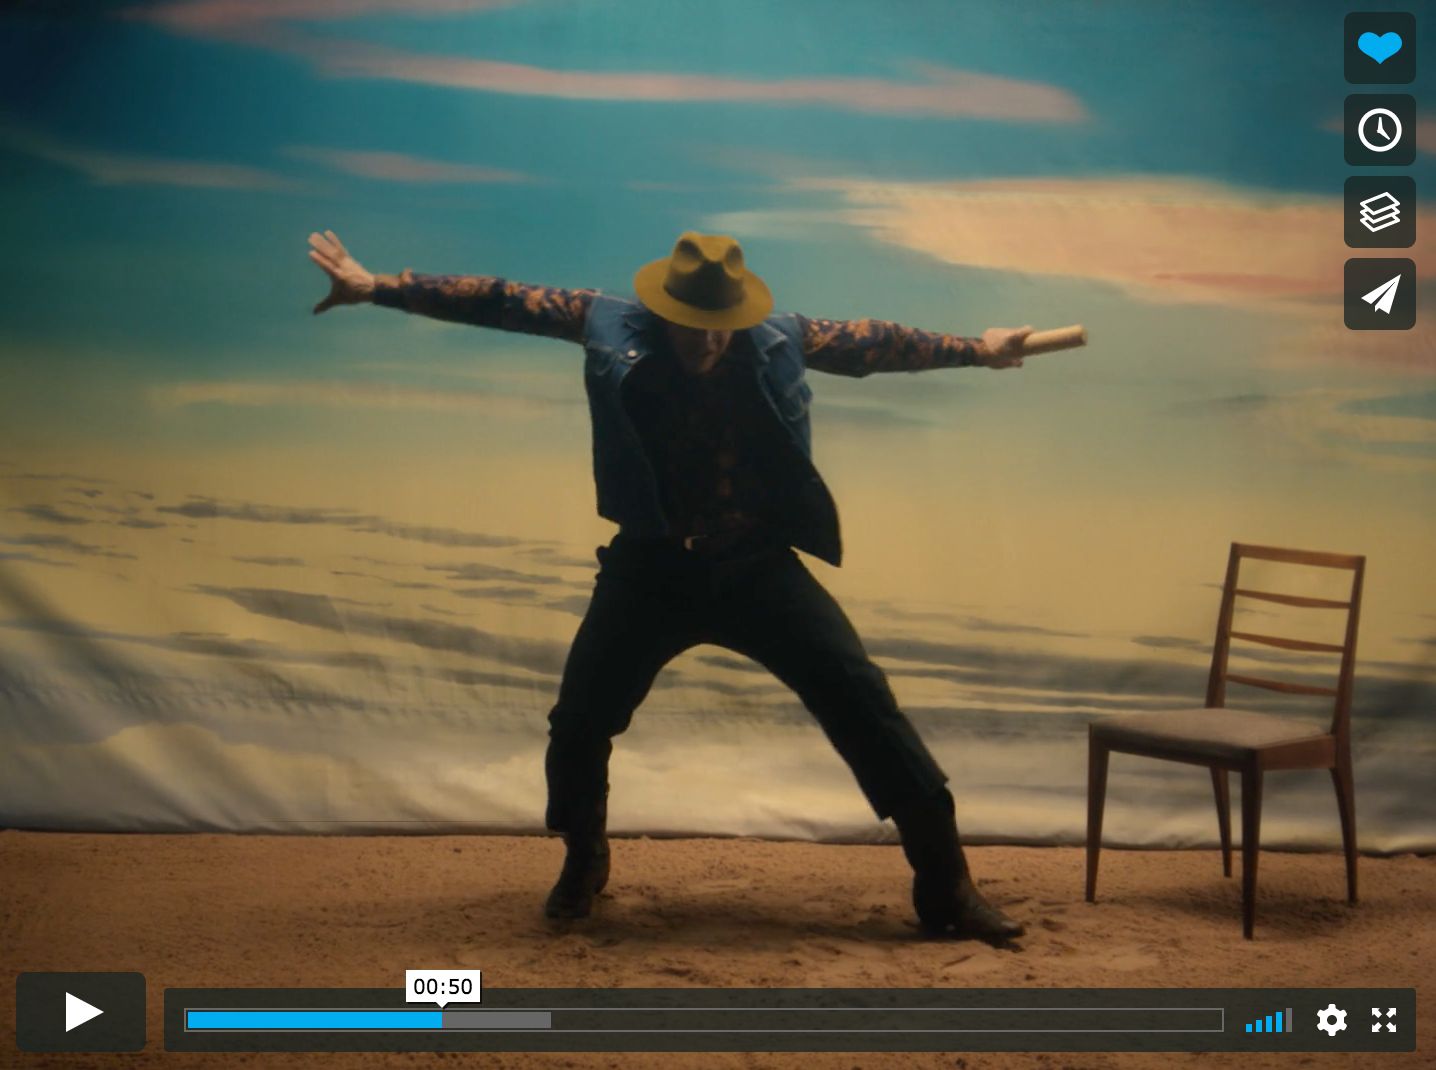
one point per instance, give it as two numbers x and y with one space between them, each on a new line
861 347
488 301
480 300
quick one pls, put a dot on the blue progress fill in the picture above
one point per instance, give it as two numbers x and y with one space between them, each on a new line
1278 1021
1268 1024
314 1019
1249 1027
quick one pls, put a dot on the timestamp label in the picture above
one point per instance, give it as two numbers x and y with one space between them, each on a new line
441 986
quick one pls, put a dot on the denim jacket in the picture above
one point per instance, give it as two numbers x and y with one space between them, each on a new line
618 334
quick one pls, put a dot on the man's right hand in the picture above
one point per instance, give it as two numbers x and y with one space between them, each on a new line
1002 347
351 284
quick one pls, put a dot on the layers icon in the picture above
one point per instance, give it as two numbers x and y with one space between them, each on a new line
1380 212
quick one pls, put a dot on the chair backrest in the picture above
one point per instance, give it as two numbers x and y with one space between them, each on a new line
1341 693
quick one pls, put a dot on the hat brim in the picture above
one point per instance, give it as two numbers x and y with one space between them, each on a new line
756 306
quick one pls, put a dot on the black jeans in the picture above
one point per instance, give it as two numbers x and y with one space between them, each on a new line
652 600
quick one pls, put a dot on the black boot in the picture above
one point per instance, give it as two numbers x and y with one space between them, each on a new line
946 900
585 868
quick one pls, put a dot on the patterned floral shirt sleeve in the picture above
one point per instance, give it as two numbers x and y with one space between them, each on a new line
861 347
488 301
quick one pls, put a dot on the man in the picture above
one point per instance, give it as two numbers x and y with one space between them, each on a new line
701 452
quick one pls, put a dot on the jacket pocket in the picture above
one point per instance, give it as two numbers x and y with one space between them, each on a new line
793 399
600 360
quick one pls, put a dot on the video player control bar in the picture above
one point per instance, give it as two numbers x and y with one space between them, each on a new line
790 1020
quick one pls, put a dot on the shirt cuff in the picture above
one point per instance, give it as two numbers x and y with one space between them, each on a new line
389 289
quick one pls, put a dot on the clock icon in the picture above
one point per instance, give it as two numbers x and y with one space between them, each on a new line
1379 129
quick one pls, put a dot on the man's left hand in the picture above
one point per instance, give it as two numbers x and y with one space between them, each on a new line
1002 347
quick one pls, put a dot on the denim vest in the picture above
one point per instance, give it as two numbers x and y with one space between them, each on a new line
618 334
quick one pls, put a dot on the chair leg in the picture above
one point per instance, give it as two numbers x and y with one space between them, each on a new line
1221 787
1346 803
1096 798
1251 845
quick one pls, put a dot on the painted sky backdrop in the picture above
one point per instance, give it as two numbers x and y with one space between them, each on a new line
260 569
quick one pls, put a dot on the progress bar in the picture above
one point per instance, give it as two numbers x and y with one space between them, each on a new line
740 1020
366 1019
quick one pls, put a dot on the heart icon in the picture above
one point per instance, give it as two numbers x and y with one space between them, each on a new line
1379 47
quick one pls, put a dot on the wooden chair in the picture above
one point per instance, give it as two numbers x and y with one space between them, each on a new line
1226 739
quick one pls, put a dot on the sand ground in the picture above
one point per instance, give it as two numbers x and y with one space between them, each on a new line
267 911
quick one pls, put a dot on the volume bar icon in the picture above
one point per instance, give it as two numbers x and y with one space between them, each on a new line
1278 1022
1380 212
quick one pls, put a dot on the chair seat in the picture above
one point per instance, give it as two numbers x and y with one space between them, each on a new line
1206 732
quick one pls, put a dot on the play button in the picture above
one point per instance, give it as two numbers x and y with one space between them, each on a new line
80 1011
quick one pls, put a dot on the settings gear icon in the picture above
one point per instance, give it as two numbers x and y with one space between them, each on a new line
1332 1020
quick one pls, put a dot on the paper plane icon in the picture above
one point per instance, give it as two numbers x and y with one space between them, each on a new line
1379 293
78 1012
1381 298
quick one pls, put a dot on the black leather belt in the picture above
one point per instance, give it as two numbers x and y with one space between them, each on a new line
726 541
718 545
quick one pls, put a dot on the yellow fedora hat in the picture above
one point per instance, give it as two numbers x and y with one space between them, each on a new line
703 283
